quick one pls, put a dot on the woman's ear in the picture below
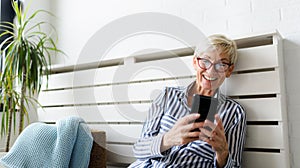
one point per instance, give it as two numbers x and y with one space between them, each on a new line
195 63
229 71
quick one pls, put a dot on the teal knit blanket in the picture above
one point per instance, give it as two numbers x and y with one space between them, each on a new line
68 143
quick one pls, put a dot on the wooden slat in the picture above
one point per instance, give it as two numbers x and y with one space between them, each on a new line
113 93
252 84
100 113
81 78
120 133
249 58
250 159
151 70
255 39
121 94
264 136
265 160
261 57
256 135
158 69
237 85
262 109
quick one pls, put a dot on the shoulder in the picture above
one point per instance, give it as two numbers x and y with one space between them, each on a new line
234 103
168 93
178 89
175 91
234 107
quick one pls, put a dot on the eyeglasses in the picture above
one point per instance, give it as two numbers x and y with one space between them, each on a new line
206 64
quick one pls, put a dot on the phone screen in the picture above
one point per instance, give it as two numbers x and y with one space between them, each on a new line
204 105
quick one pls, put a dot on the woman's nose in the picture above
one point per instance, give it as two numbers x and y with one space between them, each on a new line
211 70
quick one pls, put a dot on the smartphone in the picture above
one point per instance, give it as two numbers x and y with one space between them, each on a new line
204 105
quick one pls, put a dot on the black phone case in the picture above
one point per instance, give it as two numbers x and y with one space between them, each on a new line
204 105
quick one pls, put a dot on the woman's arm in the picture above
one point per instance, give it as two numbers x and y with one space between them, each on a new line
154 143
235 131
227 137
148 145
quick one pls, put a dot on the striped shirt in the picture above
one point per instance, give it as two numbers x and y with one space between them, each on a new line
165 110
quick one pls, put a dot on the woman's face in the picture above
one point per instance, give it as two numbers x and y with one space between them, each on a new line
210 77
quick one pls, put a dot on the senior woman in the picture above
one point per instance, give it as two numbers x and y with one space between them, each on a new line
168 139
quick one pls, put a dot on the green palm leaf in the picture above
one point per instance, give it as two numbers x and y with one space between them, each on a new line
27 63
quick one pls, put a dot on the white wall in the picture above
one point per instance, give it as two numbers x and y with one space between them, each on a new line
78 21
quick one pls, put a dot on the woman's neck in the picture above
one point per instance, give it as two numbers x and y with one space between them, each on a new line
197 89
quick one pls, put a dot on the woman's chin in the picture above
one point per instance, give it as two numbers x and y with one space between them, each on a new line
209 86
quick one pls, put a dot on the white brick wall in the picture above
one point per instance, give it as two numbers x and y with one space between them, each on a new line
79 20
265 20
238 7
240 24
263 5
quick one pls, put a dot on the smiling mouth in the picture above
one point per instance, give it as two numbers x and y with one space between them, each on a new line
210 78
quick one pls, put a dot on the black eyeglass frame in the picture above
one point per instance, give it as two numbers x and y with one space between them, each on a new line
221 64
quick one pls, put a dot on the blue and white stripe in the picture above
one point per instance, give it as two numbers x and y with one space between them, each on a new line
165 110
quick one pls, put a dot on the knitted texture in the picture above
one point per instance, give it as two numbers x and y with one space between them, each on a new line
68 143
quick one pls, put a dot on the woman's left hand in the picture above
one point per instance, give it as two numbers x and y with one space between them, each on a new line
214 135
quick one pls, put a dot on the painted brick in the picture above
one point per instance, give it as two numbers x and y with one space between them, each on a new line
290 12
292 84
290 26
213 27
293 98
294 128
196 17
294 114
212 4
291 64
137 6
295 150
263 5
173 7
203 4
266 20
291 61
215 15
292 41
241 24
238 7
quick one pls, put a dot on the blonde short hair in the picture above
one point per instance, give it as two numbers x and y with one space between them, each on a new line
222 43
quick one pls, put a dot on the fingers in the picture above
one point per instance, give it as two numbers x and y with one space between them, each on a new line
207 130
181 132
219 124
209 125
193 134
205 133
188 123
189 118
212 132
218 119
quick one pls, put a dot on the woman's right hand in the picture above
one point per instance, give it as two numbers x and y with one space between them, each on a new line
181 133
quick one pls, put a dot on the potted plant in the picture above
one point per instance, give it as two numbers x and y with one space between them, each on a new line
27 62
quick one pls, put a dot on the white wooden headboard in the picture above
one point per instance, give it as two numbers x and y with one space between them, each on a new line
114 95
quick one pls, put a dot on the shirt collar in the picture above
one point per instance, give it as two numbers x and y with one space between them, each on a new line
221 98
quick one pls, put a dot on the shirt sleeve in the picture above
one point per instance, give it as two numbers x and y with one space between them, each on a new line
148 145
235 130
